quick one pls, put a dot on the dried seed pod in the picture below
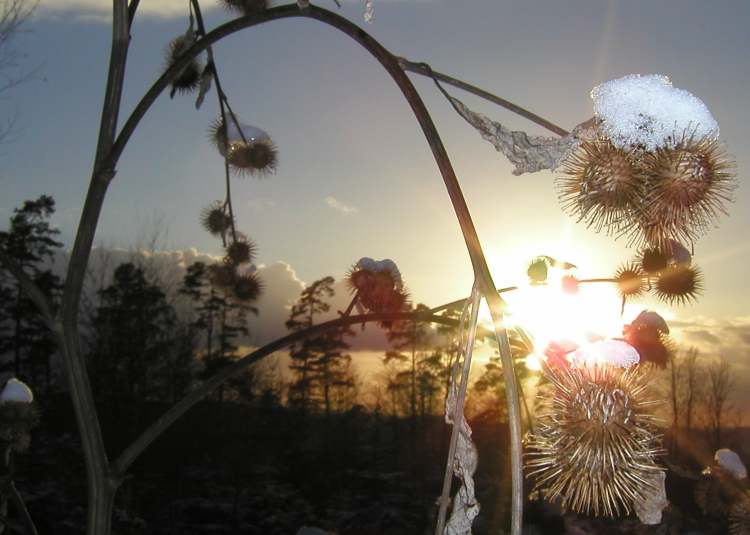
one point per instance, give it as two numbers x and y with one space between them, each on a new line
596 439
647 333
378 284
246 7
247 287
653 260
679 284
630 280
537 271
689 184
569 284
188 79
248 149
215 219
240 251
601 185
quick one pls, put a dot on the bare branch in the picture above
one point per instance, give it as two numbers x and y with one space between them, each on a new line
426 70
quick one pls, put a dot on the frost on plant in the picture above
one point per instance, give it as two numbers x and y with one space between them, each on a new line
369 12
649 112
611 352
649 508
465 505
528 153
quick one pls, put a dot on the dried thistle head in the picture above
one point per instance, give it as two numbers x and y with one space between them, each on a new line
246 7
601 185
247 287
679 284
240 251
653 260
215 219
249 150
630 280
537 271
358 279
188 79
259 157
569 284
648 334
739 515
378 284
689 185
596 439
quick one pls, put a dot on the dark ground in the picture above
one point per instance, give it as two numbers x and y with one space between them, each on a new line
229 468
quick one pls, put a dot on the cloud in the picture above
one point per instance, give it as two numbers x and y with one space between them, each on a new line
281 289
334 203
725 338
101 10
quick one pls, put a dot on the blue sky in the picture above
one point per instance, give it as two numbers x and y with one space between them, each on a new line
347 138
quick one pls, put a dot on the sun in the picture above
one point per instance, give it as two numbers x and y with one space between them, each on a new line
548 313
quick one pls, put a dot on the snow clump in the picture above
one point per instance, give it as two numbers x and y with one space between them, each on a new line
612 352
17 391
731 462
647 111
385 266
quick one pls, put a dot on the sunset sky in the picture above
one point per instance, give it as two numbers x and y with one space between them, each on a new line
356 177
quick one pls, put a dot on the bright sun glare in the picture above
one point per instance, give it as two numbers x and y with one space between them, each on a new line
549 314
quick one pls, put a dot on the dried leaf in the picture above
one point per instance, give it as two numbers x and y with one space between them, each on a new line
205 84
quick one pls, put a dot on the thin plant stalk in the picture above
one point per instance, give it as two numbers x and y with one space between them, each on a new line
458 413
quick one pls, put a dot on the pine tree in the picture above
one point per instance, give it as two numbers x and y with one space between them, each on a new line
222 320
320 364
411 341
136 334
31 242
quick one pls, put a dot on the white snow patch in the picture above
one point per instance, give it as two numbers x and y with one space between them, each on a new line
251 133
731 462
647 110
386 265
17 391
611 352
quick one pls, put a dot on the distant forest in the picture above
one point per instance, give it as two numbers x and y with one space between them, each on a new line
303 440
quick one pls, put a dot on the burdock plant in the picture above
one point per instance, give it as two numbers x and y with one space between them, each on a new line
188 79
248 149
596 441
601 185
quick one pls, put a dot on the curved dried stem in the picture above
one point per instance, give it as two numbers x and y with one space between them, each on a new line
425 70
458 414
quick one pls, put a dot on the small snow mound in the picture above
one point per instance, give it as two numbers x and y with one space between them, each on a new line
17 391
377 266
648 111
731 462
611 352
249 132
